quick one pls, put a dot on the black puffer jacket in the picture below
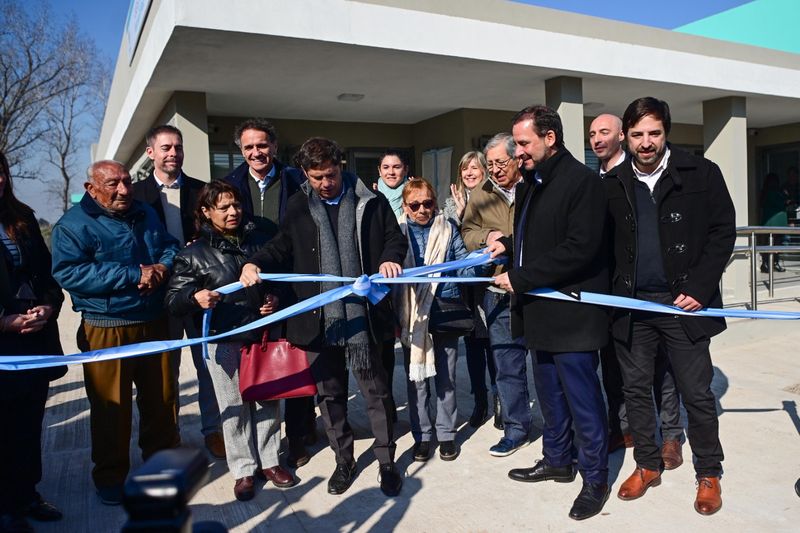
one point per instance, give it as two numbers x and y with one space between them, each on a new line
209 263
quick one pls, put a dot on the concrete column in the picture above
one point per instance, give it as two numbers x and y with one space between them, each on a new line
725 142
565 95
187 112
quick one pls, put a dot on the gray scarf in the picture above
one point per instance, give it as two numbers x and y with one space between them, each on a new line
345 320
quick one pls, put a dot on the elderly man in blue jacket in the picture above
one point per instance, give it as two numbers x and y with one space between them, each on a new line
113 255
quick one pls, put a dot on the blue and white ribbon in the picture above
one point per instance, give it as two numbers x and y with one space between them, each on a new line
374 288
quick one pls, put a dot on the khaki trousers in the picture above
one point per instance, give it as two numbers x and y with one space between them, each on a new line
109 388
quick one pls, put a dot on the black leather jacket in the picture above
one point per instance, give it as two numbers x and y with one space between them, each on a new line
211 262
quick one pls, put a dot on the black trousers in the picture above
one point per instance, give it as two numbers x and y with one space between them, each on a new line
387 357
612 385
693 372
668 400
299 415
23 395
330 372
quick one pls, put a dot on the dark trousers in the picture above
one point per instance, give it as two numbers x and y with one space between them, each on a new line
109 388
299 415
479 359
23 395
612 385
330 372
387 356
693 371
668 401
569 392
667 398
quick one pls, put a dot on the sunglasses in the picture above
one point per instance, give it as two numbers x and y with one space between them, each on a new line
427 204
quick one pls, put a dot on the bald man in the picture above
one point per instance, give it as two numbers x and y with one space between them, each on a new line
605 138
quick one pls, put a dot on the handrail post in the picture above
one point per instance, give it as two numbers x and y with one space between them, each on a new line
753 270
771 267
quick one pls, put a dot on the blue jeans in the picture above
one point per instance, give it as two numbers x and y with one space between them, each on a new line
510 359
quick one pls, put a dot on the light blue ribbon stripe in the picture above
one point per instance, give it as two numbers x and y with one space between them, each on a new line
374 288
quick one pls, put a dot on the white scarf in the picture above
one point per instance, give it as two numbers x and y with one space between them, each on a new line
413 301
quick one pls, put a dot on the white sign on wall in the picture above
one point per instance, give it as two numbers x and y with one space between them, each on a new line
137 14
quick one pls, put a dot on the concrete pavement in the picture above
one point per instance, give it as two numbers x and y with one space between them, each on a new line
757 383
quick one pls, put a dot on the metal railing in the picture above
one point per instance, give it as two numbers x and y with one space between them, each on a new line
752 251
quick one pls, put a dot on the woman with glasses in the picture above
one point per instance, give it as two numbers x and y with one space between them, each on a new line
30 300
251 430
429 352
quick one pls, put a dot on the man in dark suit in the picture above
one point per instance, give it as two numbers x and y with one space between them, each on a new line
558 244
173 195
673 226
266 185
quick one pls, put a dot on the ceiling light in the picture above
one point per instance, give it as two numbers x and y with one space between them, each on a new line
350 97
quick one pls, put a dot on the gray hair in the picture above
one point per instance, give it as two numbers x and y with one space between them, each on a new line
505 139
93 168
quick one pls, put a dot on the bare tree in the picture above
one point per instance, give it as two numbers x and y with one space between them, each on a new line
72 118
38 62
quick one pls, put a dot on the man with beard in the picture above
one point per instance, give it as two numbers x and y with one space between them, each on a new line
558 244
673 227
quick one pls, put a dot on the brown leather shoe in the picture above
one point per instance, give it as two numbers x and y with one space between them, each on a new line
617 441
279 477
638 483
671 454
215 444
709 495
244 489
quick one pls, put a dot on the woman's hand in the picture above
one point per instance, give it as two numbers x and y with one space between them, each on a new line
207 299
458 200
270 305
390 269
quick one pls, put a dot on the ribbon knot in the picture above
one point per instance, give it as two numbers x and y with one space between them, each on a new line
362 286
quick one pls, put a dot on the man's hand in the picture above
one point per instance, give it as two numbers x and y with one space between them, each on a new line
503 282
492 237
23 323
207 299
250 274
496 248
390 270
152 277
270 304
687 303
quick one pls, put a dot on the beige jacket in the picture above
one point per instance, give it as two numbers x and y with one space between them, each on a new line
487 210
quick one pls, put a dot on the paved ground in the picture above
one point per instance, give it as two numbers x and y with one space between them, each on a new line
757 383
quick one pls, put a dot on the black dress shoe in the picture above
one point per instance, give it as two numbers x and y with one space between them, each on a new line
479 415
391 481
590 501
448 450
422 451
542 471
342 478
298 455
498 412
43 511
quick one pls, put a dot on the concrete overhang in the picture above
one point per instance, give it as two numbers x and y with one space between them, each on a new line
413 61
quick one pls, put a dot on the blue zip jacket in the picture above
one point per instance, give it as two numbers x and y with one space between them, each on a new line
455 250
96 259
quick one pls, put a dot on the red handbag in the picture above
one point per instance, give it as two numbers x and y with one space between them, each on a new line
271 370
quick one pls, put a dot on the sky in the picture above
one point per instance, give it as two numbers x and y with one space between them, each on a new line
104 21
669 16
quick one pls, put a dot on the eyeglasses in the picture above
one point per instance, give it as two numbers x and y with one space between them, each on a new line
427 204
499 164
